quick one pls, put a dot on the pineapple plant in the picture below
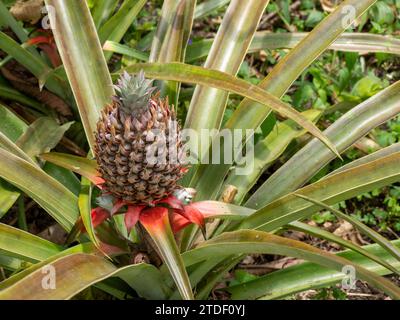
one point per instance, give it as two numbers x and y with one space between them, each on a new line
141 157
136 129
137 189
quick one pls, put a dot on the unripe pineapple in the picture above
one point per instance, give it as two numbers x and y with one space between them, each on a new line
138 145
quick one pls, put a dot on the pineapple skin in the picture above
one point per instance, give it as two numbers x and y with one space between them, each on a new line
138 146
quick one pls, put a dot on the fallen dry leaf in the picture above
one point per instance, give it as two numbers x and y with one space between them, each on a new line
28 10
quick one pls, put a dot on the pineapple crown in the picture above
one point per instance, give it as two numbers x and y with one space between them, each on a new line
134 92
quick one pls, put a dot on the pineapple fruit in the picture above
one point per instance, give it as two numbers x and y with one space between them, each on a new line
138 148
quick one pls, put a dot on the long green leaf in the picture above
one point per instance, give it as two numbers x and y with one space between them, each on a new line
229 48
352 126
116 27
56 199
121 20
220 80
338 187
78 271
348 41
265 40
31 60
160 231
250 241
317 232
64 176
86 270
145 279
207 7
326 235
149 285
9 93
218 209
10 263
84 203
214 276
83 59
25 245
287 211
8 196
47 257
196 273
375 236
250 114
173 48
297 60
373 156
83 166
8 20
167 13
11 125
8 145
287 281
102 11
42 136
33 63
111 287
266 152
125 50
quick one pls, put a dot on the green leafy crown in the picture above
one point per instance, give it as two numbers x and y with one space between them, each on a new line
134 92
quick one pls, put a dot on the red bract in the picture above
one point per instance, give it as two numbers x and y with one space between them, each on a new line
178 222
172 203
45 41
118 205
154 219
132 217
98 216
181 215
98 181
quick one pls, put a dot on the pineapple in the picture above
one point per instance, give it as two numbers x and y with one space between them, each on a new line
138 144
